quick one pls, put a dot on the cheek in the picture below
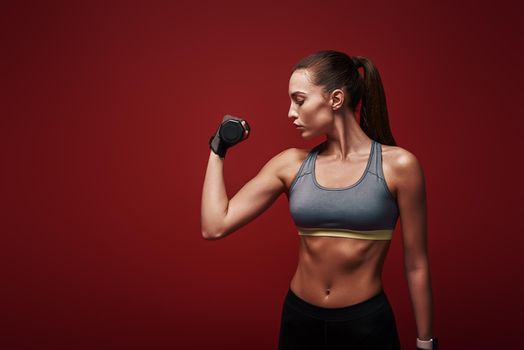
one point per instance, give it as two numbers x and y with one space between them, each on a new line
319 119
313 114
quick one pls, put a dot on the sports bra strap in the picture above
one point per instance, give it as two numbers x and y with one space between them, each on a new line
373 166
378 161
307 165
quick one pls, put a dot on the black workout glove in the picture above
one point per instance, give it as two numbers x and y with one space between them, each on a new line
229 133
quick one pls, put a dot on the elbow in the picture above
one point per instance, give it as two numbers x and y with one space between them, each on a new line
419 267
210 231
211 235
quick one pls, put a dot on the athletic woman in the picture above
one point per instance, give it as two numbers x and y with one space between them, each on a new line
345 196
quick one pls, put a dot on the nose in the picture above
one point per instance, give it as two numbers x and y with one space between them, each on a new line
291 113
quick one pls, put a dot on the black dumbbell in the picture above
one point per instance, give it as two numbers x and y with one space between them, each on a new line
231 131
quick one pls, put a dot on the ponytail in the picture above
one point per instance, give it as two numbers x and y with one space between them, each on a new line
374 112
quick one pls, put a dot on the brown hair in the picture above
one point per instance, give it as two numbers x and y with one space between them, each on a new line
332 70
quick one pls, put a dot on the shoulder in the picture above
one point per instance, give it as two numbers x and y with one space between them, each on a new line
294 154
288 158
287 162
402 164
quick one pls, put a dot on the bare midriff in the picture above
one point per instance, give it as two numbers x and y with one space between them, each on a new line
338 271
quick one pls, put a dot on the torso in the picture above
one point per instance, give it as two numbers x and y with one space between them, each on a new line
335 271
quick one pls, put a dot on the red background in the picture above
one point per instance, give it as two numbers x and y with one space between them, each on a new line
105 116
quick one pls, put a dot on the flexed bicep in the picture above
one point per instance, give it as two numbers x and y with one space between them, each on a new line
255 196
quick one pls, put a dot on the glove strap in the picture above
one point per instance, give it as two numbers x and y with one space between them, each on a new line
221 147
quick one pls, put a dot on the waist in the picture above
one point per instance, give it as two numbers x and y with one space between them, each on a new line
376 302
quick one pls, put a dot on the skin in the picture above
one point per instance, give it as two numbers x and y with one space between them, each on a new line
332 271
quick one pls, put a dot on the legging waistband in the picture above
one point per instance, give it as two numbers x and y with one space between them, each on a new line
350 312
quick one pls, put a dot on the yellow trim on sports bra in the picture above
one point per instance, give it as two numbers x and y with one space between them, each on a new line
385 234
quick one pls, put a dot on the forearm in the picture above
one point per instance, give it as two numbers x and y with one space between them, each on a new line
419 283
214 197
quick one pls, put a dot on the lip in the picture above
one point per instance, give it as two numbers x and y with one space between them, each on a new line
297 126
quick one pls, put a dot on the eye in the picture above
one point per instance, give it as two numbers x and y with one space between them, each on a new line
300 103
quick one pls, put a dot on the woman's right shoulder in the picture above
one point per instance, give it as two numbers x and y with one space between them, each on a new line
287 163
289 156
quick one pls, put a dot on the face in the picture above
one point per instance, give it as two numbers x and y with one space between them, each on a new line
310 107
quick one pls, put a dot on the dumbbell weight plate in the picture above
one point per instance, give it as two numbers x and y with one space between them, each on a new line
232 131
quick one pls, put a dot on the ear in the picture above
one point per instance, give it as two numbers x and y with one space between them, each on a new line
337 99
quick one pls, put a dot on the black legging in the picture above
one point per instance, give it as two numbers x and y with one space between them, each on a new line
367 325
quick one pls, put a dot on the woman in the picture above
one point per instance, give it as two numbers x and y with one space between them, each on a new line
345 196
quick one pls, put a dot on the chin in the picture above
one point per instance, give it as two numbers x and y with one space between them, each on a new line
307 136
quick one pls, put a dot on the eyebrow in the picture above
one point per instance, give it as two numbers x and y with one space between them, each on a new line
298 92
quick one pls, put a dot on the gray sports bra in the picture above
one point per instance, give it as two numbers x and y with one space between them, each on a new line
364 210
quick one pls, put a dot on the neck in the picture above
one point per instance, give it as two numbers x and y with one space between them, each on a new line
346 138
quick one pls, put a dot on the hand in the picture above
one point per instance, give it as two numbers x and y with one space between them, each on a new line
231 131
246 128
